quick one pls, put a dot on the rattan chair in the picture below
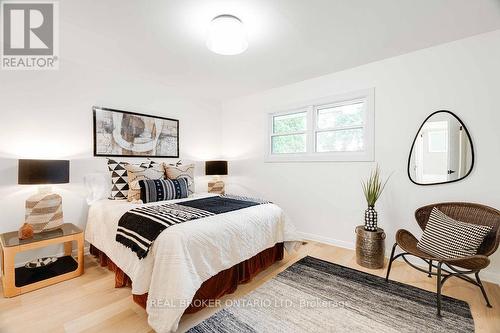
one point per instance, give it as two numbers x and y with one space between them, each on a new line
462 267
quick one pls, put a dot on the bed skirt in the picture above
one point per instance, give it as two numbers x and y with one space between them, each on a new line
225 282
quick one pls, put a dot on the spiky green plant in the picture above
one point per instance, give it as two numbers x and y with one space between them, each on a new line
373 187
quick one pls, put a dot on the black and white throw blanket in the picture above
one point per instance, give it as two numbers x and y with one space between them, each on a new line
139 227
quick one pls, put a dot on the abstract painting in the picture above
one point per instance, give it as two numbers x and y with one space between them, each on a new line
129 134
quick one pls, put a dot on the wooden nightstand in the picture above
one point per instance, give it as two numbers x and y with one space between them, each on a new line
21 280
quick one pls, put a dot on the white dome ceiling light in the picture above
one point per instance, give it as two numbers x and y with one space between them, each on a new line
227 35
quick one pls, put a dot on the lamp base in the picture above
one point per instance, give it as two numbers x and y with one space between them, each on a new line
216 187
44 211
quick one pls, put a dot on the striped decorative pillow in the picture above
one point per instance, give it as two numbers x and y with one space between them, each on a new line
163 189
447 238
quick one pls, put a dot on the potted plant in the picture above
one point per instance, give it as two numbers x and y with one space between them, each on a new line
372 189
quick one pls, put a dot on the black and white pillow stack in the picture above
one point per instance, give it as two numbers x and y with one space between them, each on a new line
447 238
153 190
125 179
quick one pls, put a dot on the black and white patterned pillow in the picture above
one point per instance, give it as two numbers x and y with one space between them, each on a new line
447 238
119 179
153 190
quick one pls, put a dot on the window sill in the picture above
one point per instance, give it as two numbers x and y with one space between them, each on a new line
321 157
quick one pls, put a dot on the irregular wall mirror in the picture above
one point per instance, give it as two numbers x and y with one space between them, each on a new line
442 151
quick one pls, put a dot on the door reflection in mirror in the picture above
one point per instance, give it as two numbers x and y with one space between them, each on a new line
442 150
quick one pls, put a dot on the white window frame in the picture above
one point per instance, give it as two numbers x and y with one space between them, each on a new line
306 132
311 107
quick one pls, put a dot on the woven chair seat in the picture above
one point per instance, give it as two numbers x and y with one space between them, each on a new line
459 267
408 243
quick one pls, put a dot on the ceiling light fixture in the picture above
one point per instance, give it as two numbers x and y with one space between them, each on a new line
227 35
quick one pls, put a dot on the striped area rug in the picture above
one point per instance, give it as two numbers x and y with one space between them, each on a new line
313 295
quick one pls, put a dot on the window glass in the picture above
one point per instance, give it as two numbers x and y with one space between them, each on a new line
290 123
339 140
288 144
341 116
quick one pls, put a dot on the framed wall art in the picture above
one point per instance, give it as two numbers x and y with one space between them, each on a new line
130 134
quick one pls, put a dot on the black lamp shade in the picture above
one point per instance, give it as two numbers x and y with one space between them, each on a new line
32 172
217 168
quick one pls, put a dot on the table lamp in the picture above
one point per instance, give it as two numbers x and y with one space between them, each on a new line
216 169
43 209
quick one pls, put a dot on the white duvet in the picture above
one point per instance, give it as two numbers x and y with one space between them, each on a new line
185 255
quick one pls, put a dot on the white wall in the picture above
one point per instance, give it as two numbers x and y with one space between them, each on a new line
48 114
325 199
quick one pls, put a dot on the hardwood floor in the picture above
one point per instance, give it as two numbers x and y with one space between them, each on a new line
90 303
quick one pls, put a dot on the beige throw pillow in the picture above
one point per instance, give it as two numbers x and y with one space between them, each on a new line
178 171
135 173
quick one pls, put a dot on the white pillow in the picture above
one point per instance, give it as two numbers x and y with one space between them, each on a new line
98 186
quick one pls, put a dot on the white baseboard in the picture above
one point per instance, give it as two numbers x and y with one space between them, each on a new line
326 240
492 277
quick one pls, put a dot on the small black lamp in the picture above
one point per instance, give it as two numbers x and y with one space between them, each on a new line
217 169
43 209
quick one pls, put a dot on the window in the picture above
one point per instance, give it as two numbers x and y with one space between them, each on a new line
289 133
332 129
339 127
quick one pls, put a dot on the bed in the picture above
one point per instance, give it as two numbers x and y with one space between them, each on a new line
194 260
